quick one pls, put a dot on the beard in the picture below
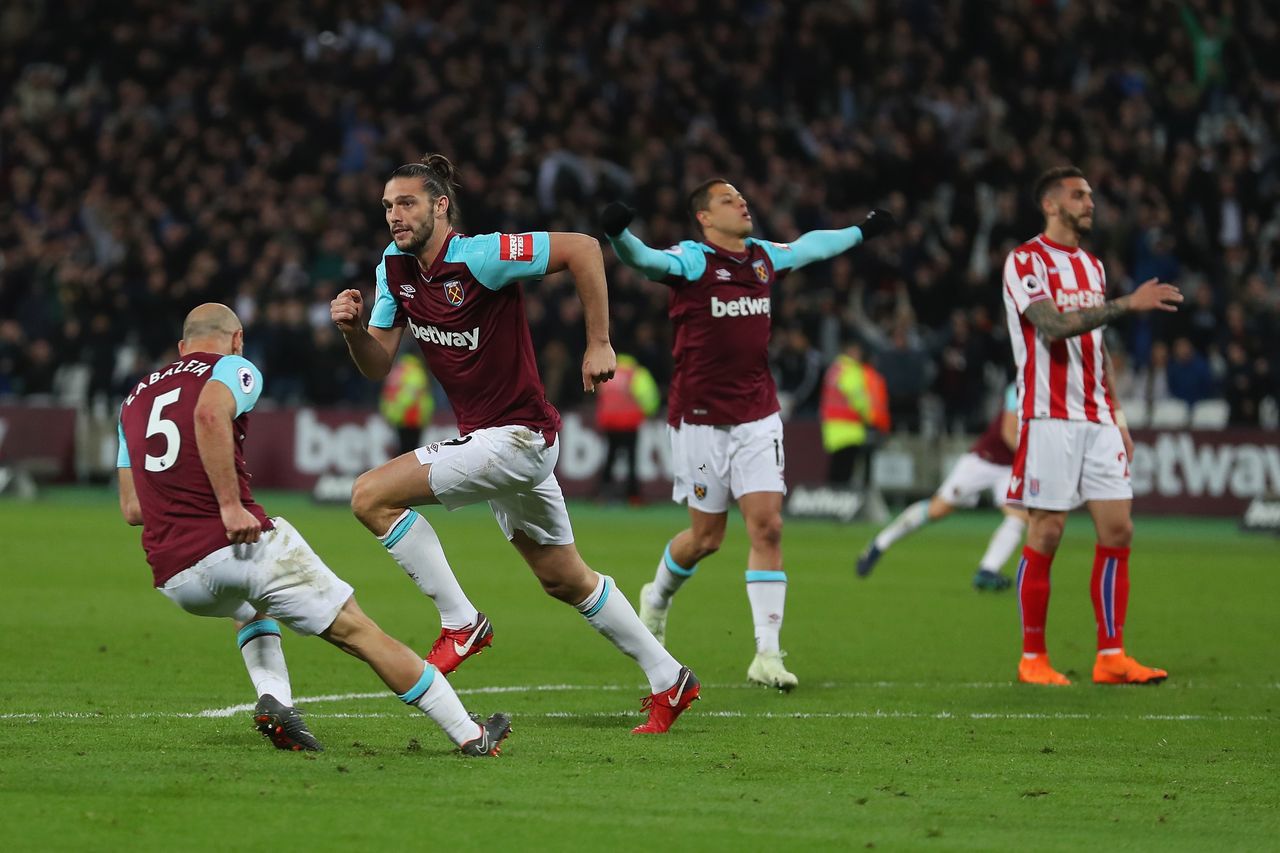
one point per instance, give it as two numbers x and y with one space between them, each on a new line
1075 223
420 237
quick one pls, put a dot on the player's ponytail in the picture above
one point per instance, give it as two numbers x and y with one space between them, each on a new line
439 178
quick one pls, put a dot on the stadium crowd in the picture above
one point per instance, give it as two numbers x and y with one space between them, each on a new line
210 151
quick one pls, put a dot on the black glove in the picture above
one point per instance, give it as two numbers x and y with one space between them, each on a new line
877 222
615 217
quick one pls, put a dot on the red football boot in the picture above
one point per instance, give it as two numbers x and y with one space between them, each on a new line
664 707
457 644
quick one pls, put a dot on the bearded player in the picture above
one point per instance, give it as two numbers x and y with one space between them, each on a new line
1074 446
726 434
461 298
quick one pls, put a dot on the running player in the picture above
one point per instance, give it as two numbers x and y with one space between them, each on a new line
726 435
214 552
461 298
1074 446
987 466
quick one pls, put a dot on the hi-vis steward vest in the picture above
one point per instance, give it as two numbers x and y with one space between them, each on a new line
854 397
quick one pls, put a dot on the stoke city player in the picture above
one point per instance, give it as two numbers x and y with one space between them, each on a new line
726 434
214 552
1074 446
460 297
987 466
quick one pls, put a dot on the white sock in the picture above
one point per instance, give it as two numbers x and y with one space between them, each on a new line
264 658
767 592
912 518
1004 542
668 578
434 695
609 612
416 547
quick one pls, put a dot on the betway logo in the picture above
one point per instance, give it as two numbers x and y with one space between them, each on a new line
1076 299
1178 465
470 340
743 306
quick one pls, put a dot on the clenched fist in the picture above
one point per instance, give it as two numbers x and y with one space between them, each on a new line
346 310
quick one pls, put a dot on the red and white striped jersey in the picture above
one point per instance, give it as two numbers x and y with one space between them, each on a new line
1057 379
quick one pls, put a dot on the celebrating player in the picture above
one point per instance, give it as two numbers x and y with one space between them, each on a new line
214 552
1074 446
461 298
987 466
726 435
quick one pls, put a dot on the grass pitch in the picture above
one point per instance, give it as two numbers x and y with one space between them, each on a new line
907 731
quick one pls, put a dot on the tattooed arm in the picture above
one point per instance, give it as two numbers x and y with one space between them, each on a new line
1056 326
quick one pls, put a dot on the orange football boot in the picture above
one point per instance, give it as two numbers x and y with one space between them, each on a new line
1122 669
1036 670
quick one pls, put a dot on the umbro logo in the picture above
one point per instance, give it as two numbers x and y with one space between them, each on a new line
407 291
723 274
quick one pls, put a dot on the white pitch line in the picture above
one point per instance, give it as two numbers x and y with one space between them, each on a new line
761 715
613 688
232 710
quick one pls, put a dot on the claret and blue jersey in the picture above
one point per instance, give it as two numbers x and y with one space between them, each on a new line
181 522
467 313
721 311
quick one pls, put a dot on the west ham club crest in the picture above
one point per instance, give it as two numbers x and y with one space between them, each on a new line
454 292
762 272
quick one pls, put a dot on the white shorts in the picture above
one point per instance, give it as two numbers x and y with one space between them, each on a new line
712 463
278 575
971 476
1061 464
512 468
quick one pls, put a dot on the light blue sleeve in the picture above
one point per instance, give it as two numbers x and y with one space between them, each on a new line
383 315
1011 399
244 380
497 260
685 260
122 455
811 247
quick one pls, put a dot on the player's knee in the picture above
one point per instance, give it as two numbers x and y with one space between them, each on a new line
1117 534
707 542
364 501
1045 534
766 532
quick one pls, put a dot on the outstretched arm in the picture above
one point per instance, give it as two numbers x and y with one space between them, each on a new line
1056 326
655 264
580 255
819 245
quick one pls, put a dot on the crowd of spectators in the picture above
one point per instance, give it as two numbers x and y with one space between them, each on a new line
157 155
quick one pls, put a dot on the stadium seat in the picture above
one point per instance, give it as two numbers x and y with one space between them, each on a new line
1209 414
1169 414
1136 412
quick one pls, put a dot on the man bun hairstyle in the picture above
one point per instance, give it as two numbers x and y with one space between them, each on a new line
1046 183
439 178
700 199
